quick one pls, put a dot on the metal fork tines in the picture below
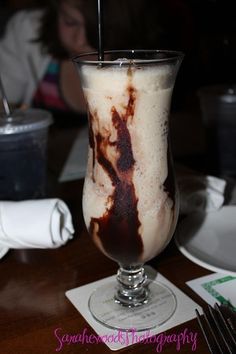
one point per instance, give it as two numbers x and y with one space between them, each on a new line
218 332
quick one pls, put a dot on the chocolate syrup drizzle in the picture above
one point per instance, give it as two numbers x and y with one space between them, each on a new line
118 228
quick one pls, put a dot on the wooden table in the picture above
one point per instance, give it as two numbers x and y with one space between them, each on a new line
33 282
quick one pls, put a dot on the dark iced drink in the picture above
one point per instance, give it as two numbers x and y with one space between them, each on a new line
23 141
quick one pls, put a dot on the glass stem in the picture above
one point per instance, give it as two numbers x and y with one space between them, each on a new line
131 290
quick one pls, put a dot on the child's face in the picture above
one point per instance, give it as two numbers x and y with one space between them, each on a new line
71 29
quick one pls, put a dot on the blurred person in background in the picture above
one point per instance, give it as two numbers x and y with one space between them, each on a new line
34 53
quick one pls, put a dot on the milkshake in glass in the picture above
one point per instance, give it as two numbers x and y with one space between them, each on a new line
130 201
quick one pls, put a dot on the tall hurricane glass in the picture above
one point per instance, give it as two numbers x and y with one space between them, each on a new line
130 199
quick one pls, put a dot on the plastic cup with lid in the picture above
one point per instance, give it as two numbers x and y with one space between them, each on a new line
218 106
23 144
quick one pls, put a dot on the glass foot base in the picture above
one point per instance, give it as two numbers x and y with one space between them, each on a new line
159 308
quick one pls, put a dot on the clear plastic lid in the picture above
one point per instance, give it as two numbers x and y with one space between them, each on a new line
25 121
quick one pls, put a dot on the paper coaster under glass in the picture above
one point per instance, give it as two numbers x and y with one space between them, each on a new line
184 311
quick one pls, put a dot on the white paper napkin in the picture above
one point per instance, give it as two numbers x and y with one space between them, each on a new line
185 311
75 165
44 223
200 193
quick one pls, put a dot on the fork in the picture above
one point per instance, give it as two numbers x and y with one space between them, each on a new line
218 330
